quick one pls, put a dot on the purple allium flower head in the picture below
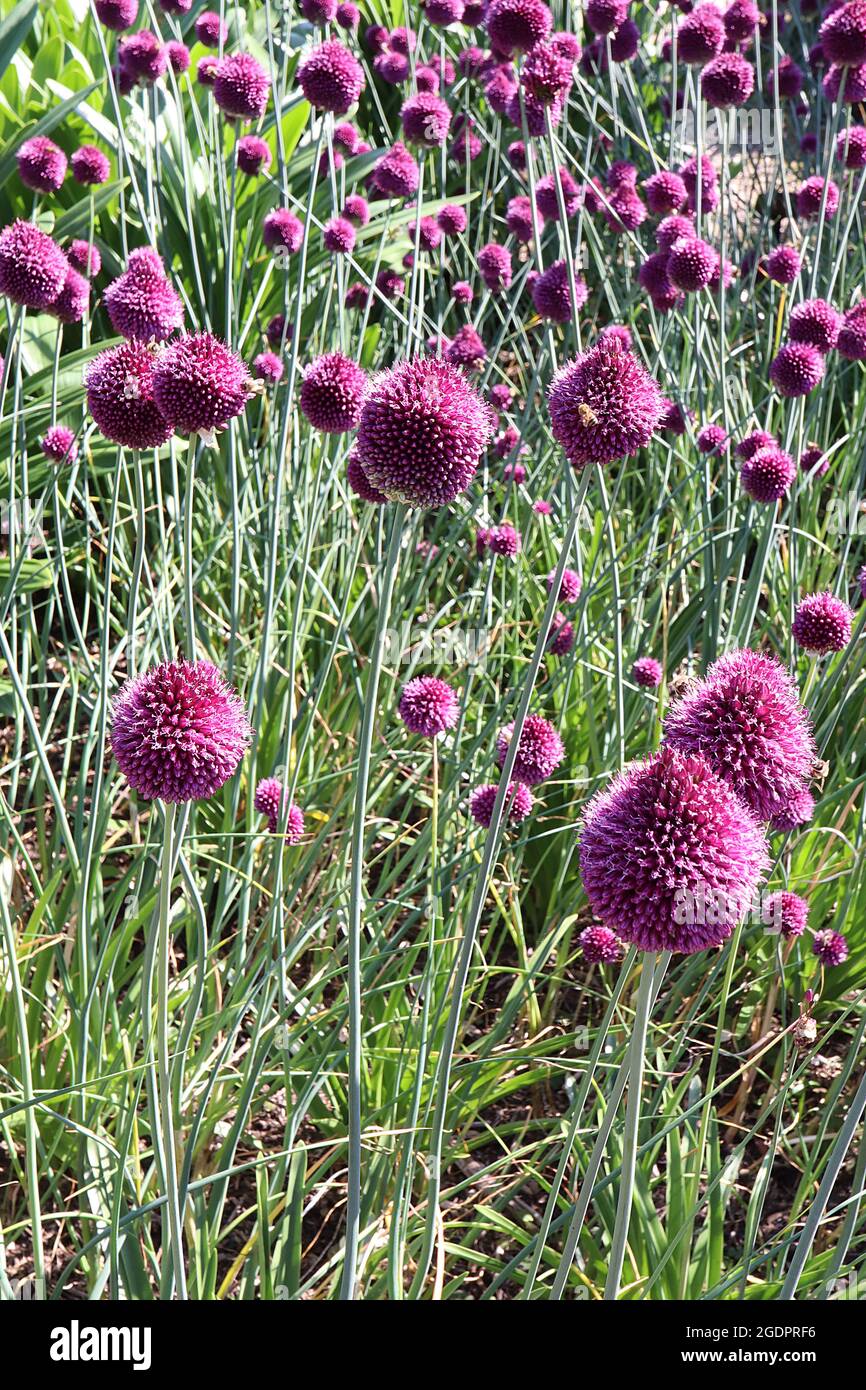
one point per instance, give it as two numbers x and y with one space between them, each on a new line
426 120
357 210
466 146
830 947
427 79
58 443
32 266
600 946
176 7
746 719
712 439
606 16
466 349
798 809
119 384
814 461
851 147
810 195
276 331
691 264
570 585
518 218
241 87
673 229
331 78
116 14
604 406
178 56
621 174
461 292
517 25
851 342
339 235
816 322
254 155
452 219
540 750
320 12
141 303
392 67
422 432
796 369
494 264
517 154
429 706
783 265
561 639
617 333
206 70
625 43
551 293
396 173
519 803
740 20
701 35
268 367
665 192
751 443
332 391
504 540
41 164
143 56
547 73
73 301
786 913
402 40
179 731
709 184
653 276
843 34
84 257
283 231
667 834
199 384
728 80
210 30
90 166
626 210
443 12
360 483
790 77
389 284
547 201
674 418
542 507
375 37
268 801
768 474
822 623
429 234
346 137
647 671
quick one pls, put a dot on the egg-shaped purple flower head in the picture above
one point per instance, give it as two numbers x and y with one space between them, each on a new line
786 914
822 623
283 232
200 385
331 78
396 174
796 811
740 20
691 264
518 803
142 56
141 302
551 293
848 84
429 706
332 391
783 265
728 80
422 432
360 483
116 14
206 70
665 192
426 120
179 731
90 166
830 947
700 35
604 406
254 155
84 256
600 946
241 87
494 265
466 349
267 366
606 16
768 474
178 56
41 164
796 369
561 639
851 147
504 540
73 301
843 34
547 73
119 386
814 462
672 230
357 210
210 29
851 342
516 26
709 183
269 800
745 718
810 196
569 587
670 858
540 750
711 439
647 672
547 198
816 322
348 15
320 12
443 12
338 236
58 443
452 219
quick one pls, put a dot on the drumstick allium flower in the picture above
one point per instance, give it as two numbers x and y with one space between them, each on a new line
540 750
429 706
332 391
518 804
604 405
141 302
268 801
178 731
32 266
199 385
119 386
822 623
